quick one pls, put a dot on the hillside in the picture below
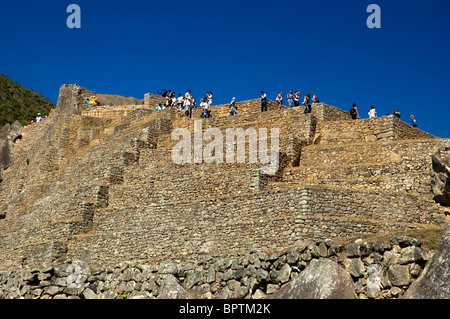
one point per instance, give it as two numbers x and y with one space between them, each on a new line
20 103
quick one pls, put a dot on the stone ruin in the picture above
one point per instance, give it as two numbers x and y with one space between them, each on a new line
98 186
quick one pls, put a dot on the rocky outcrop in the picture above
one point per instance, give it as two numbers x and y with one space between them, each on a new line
440 181
9 134
434 283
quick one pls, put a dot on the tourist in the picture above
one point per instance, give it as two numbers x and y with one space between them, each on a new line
396 113
38 118
372 112
296 98
188 106
187 95
354 112
315 99
263 102
279 99
290 98
210 96
232 107
307 103
205 113
159 107
412 121
174 100
180 101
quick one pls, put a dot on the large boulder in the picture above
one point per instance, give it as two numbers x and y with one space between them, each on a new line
9 134
5 154
434 282
440 181
322 279
171 289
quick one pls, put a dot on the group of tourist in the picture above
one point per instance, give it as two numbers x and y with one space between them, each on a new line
92 101
294 100
187 103
39 118
373 114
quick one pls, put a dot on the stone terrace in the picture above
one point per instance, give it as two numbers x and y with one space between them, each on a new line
99 184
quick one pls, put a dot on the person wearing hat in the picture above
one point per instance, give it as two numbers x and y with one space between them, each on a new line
232 107
38 117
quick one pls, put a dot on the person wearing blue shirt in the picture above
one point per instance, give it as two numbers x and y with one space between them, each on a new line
412 121
263 102
396 113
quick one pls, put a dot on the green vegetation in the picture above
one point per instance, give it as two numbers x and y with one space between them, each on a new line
20 103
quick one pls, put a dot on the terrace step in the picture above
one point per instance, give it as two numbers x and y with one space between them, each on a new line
368 153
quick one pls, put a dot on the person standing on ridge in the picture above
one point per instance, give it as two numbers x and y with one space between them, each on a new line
290 98
280 99
296 98
354 112
263 102
307 103
396 113
180 101
232 107
205 107
210 96
372 112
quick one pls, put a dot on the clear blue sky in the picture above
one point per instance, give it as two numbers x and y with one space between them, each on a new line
238 48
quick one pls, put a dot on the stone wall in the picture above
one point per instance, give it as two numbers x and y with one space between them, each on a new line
386 128
152 100
381 270
359 153
265 219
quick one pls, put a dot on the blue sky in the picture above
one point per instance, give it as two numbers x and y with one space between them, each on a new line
238 48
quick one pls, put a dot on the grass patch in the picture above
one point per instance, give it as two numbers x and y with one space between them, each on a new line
102 135
430 238
111 125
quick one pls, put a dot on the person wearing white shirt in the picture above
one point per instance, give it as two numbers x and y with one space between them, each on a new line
372 112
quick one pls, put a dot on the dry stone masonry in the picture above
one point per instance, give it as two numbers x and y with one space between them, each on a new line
93 206
392 266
